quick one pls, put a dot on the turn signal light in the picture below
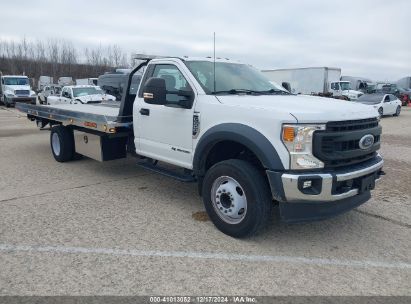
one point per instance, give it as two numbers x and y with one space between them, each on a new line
288 134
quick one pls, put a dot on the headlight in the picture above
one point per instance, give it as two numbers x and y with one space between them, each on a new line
298 140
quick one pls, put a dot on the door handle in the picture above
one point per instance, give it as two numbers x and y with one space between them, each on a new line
144 111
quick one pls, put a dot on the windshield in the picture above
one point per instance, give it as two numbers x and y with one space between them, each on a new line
370 99
16 81
231 78
345 86
86 91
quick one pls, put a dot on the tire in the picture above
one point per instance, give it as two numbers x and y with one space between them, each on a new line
381 112
62 144
398 111
225 187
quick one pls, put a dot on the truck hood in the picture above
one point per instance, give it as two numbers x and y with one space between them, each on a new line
305 108
95 97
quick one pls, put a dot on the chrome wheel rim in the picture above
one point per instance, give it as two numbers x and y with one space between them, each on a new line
55 143
229 200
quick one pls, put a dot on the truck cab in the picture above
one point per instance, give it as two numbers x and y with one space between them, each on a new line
249 145
16 88
343 88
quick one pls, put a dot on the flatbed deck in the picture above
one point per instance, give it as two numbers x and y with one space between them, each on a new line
103 117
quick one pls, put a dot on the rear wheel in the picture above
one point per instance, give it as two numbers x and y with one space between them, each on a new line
398 111
237 198
62 143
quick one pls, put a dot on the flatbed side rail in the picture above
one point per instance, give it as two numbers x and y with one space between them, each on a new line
96 122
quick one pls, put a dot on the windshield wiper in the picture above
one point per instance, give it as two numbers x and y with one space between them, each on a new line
247 91
274 91
235 91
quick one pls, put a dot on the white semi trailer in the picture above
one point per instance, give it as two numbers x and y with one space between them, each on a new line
322 81
404 83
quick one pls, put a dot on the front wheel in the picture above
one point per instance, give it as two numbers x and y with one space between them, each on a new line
381 112
398 111
237 198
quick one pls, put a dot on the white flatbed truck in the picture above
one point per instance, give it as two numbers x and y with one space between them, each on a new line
222 124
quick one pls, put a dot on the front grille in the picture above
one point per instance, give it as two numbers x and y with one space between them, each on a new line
338 145
22 92
351 125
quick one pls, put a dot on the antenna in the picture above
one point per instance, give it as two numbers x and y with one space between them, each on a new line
214 63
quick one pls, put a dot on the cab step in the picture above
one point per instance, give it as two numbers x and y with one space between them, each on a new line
186 177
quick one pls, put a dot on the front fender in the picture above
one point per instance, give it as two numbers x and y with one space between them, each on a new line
243 134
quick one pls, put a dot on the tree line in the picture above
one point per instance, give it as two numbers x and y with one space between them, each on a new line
57 58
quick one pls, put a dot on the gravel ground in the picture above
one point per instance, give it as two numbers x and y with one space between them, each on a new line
89 228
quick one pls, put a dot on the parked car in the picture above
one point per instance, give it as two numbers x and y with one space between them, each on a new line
80 94
404 96
385 104
49 90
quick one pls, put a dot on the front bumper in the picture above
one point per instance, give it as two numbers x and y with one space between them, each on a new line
26 99
317 195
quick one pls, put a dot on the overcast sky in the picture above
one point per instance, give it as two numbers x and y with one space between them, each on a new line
368 38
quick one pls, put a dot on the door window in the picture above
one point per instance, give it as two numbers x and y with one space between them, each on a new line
176 84
392 98
335 86
387 98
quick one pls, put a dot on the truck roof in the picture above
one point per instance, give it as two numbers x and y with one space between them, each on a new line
192 58
307 68
15 76
145 57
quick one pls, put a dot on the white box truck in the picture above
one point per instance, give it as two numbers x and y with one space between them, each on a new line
249 146
44 81
86 81
322 81
65 81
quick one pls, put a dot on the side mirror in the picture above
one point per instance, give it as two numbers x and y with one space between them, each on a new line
154 91
287 86
187 99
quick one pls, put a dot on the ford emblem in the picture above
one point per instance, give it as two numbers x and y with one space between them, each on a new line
366 142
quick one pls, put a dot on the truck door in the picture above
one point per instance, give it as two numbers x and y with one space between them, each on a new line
393 104
335 89
165 132
387 105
